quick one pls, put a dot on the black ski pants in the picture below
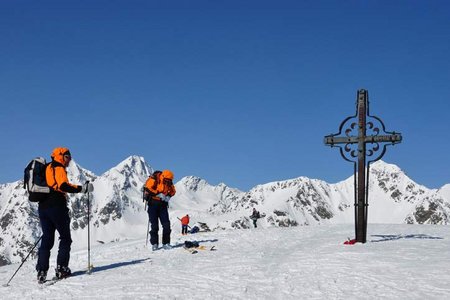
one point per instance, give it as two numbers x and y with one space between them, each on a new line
54 218
158 212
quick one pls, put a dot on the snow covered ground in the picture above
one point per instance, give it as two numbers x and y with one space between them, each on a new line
307 262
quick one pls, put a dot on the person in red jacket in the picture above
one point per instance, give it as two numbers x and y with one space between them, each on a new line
184 224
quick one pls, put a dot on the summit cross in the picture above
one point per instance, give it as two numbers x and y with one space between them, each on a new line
361 136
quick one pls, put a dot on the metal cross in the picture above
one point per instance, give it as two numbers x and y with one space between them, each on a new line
367 133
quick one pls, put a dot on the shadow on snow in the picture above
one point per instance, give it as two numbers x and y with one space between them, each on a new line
118 265
394 237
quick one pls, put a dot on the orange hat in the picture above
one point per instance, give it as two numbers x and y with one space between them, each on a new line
167 174
58 154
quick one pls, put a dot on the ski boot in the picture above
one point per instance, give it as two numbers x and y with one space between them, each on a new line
62 272
154 247
167 246
41 276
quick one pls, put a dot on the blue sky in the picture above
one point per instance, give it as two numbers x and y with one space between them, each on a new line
241 92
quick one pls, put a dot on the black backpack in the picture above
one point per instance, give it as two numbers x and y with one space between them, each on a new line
34 180
146 192
194 229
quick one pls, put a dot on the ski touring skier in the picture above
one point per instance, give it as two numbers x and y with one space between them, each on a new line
54 215
159 189
184 224
255 216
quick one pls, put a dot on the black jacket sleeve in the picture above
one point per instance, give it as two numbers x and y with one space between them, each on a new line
69 188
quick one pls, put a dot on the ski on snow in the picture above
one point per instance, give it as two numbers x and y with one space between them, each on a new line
194 250
55 279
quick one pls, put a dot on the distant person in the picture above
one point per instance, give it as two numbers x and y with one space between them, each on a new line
54 215
184 224
160 189
255 216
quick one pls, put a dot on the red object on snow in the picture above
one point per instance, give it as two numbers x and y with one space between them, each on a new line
350 242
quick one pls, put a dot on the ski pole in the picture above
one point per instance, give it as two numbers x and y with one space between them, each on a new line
145 209
23 261
89 268
148 226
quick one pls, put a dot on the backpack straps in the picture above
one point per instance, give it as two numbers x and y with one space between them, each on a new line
52 166
155 176
54 176
148 193
26 175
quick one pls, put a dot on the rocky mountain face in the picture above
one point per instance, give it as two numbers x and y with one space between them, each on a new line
118 212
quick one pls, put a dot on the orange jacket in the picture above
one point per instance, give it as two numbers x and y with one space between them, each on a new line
159 185
185 220
56 174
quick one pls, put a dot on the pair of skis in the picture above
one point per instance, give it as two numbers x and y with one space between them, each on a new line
194 250
74 274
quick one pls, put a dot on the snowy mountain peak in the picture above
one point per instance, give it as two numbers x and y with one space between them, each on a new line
381 168
382 165
132 164
283 184
78 174
193 183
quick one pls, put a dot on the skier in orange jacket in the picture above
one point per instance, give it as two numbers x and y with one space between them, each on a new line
159 189
54 214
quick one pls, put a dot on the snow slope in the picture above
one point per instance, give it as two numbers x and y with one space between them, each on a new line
445 191
304 262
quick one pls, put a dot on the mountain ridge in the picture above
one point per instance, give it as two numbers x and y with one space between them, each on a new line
117 206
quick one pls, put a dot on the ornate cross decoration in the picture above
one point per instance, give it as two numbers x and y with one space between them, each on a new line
363 137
